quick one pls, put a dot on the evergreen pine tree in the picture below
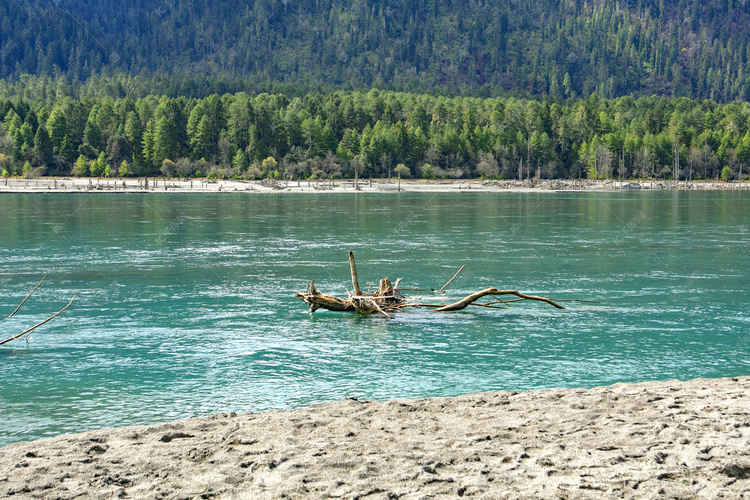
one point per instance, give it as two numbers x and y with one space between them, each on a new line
81 167
42 147
148 143
165 140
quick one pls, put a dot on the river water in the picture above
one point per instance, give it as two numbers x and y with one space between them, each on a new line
184 303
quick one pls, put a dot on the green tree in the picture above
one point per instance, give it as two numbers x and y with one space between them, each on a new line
727 143
42 147
106 119
348 148
92 135
217 119
5 165
200 142
428 171
239 162
149 145
419 118
99 166
12 121
398 139
57 126
568 86
196 114
67 151
743 150
25 136
81 166
402 170
269 166
165 140
726 174
124 170
134 134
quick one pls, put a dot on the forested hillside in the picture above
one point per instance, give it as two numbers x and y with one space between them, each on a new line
553 48
495 88
334 134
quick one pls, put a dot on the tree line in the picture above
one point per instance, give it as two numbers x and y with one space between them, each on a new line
372 134
554 48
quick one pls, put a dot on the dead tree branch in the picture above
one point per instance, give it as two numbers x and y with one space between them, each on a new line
353 269
38 324
451 280
29 330
461 304
29 295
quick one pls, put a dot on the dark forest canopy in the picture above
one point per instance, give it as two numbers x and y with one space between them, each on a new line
335 134
554 48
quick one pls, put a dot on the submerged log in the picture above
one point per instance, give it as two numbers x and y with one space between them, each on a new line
388 298
318 300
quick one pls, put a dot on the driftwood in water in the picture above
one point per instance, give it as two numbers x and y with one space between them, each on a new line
29 330
319 300
389 299
467 301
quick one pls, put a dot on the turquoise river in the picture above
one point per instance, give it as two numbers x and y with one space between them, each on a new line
184 303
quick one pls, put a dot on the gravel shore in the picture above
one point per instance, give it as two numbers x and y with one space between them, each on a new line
657 439
158 185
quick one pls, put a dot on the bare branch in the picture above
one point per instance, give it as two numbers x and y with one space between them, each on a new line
29 295
461 304
454 277
353 269
38 324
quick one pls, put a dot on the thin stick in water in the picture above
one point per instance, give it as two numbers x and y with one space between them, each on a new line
38 324
29 295
454 277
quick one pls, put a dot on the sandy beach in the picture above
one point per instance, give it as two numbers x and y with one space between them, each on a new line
160 185
657 439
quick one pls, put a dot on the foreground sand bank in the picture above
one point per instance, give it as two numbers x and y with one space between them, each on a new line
657 439
158 185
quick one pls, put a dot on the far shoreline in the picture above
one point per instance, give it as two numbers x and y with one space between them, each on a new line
152 185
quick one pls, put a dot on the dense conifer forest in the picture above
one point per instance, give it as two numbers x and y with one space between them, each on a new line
555 48
371 133
510 89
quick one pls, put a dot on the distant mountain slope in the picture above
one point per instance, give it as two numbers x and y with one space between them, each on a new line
561 48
